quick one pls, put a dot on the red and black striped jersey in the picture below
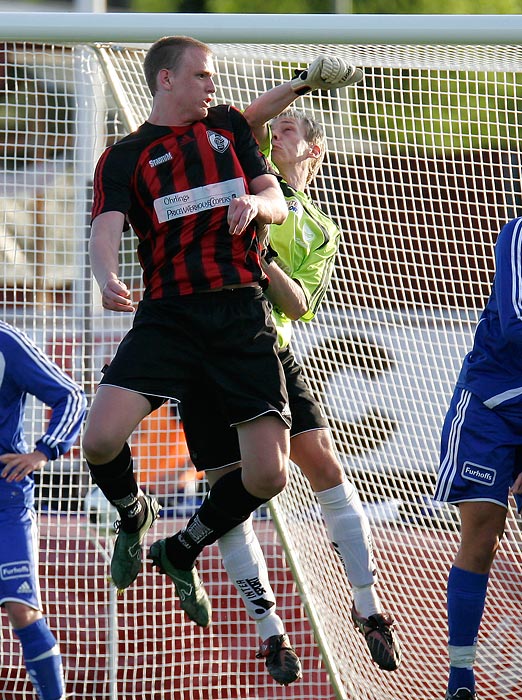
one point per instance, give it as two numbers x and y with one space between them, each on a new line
174 185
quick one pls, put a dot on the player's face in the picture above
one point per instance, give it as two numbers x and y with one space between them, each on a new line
289 145
193 84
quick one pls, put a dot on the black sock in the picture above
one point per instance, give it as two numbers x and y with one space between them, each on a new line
133 511
116 480
227 504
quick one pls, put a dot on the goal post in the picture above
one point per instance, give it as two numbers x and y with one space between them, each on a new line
423 168
253 28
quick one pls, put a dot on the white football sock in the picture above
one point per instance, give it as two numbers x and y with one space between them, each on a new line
351 536
245 564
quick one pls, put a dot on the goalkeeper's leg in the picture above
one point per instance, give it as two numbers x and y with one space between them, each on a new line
350 534
346 522
245 564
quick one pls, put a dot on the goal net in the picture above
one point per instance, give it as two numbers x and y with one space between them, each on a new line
423 169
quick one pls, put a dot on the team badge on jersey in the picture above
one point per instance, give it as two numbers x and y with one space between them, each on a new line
218 142
293 205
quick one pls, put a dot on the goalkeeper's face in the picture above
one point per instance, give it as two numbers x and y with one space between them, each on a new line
289 144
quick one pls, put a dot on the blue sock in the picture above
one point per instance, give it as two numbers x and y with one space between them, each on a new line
466 598
42 660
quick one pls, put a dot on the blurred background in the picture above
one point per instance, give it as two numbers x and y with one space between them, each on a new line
274 6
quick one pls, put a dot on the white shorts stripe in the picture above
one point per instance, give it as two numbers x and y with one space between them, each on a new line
448 465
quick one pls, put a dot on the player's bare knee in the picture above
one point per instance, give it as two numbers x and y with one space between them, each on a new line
477 553
21 615
264 482
99 449
323 477
279 481
90 447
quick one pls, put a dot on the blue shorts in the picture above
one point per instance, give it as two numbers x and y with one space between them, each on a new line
19 557
481 451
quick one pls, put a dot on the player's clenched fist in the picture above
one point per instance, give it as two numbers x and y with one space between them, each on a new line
325 73
116 296
241 211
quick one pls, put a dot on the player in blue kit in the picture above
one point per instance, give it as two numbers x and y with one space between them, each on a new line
25 369
481 455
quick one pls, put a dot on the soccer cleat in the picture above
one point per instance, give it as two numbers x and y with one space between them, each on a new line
282 662
384 648
461 694
127 556
192 595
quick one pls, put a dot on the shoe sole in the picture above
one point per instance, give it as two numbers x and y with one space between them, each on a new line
380 653
282 663
287 675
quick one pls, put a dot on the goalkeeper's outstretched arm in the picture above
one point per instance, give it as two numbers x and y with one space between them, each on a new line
324 73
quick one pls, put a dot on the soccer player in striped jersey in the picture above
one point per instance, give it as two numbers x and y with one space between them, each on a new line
195 188
298 264
25 369
481 455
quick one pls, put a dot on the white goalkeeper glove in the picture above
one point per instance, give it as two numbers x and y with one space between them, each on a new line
325 73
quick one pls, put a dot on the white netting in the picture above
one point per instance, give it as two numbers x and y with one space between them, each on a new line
423 169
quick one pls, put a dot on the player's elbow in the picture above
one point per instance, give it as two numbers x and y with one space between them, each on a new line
513 336
257 119
254 120
297 311
292 308
511 330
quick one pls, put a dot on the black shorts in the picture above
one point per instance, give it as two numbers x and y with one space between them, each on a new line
225 338
211 439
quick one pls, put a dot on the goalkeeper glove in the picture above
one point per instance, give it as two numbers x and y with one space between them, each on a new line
325 73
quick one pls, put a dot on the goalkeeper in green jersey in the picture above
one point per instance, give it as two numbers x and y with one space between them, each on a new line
299 259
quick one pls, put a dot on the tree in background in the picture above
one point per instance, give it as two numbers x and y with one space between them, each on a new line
328 6
231 6
436 7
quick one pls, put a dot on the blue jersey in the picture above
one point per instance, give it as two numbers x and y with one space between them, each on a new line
25 369
493 369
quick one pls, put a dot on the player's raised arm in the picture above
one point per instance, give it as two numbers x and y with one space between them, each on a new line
324 73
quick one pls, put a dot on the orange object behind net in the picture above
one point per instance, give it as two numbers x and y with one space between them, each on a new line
161 454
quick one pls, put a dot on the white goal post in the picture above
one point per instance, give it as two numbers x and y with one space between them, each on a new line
423 169
249 28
